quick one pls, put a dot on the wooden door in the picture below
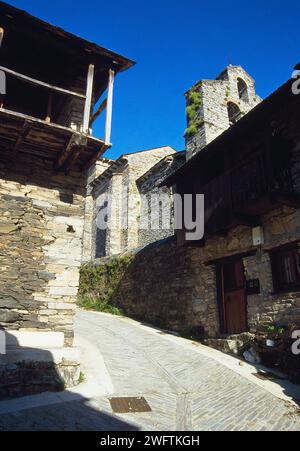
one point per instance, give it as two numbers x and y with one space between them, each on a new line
234 297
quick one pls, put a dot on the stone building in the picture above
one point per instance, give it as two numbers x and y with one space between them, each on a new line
46 147
132 181
214 105
245 272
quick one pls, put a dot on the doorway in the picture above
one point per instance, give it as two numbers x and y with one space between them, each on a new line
232 297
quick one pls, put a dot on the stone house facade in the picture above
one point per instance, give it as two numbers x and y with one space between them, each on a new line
44 158
245 272
246 269
130 181
177 287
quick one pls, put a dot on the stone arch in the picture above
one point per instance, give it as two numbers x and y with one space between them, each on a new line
234 113
243 90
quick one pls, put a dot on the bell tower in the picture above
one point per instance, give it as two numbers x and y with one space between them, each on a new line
215 105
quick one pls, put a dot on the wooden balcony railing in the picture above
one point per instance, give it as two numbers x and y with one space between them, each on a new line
89 116
246 192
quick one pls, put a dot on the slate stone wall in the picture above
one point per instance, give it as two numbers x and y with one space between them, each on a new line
172 287
41 227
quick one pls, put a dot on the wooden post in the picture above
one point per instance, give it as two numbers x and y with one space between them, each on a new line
98 112
88 100
1 36
109 106
49 108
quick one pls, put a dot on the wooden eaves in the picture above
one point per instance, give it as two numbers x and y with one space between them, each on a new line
63 146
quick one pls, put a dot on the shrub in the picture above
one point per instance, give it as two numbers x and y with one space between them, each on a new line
98 284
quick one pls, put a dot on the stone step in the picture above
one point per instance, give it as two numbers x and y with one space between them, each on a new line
27 355
30 371
233 344
33 340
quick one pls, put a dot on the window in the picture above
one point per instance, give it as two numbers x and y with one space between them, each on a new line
234 113
243 90
286 268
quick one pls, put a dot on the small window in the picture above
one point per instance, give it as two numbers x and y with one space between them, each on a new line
234 113
286 269
243 90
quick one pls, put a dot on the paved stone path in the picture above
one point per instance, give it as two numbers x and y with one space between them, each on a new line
186 389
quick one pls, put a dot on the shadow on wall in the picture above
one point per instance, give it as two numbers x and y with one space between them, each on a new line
147 285
51 410
26 371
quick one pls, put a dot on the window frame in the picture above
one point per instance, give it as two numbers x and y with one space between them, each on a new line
276 257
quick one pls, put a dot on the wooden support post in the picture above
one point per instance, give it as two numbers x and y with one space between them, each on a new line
49 108
98 112
109 107
1 36
88 100
22 136
95 157
76 140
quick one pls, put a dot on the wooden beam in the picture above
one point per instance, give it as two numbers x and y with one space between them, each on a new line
88 99
109 107
41 122
98 112
49 108
93 160
73 158
33 81
75 141
229 258
23 135
1 36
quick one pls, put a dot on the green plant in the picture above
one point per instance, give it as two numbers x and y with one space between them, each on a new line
81 379
194 100
228 91
275 331
98 285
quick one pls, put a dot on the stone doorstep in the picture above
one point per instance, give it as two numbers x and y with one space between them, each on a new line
66 356
34 340
232 344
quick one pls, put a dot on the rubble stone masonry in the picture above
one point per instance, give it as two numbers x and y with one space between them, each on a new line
41 227
174 287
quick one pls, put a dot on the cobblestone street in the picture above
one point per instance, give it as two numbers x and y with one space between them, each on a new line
185 385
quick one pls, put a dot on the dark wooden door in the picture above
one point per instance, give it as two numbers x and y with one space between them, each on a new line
234 297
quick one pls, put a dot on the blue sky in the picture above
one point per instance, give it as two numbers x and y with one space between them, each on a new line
176 43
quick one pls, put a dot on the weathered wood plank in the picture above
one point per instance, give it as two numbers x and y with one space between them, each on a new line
49 108
98 112
88 101
1 35
95 157
41 83
23 135
74 142
109 107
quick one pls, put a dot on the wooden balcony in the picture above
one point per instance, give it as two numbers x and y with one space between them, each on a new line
54 85
261 185
28 126
246 192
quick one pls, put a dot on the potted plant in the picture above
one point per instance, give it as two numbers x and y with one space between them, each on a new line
274 335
